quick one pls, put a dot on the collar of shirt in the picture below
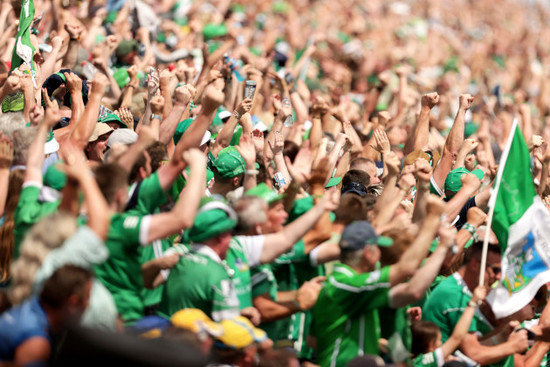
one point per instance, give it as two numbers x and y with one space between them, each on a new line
206 251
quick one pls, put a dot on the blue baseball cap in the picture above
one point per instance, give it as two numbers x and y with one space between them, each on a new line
359 234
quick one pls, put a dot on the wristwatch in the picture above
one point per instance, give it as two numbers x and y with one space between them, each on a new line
155 116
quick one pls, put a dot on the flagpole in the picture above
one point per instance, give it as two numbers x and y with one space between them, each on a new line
493 200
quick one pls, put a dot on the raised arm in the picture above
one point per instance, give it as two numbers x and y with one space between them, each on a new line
407 293
422 128
453 142
6 157
463 324
278 243
183 213
413 256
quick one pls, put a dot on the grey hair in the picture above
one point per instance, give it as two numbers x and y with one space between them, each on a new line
11 121
37 245
251 211
22 140
351 258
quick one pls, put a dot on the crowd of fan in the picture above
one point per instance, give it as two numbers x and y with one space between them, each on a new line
273 183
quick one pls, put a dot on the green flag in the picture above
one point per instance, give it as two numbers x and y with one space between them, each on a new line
521 223
23 51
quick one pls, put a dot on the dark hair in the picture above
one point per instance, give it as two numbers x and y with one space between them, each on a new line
158 153
475 251
140 162
356 176
290 150
351 209
423 333
110 178
64 282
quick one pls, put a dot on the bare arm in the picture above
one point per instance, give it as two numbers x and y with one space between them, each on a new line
414 255
453 142
183 213
6 157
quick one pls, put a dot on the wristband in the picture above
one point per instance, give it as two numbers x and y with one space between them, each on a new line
317 196
297 305
155 116
236 114
74 39
180 84
473 304
251 172
470 228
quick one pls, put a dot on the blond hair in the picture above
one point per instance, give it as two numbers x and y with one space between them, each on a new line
37 245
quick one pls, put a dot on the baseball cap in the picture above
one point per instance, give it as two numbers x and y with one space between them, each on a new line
333 182
125 47
197 321
355 188
51 145
213 218
212 30
111 117
239 333
263 191
359 234
229 163
122 136
453 182
54 178
100 128
209 176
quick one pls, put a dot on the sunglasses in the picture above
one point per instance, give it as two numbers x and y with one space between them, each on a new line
495 268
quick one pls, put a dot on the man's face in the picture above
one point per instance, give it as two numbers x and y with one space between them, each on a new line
372 171
493 269
276 218
97 148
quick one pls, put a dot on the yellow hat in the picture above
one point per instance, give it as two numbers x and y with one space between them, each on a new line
197 321
239 333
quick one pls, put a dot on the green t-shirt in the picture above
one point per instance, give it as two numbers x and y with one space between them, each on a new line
263 281
200 280
445 305
29 211
121 273
152 297
243 254
147 196
345 317
432 359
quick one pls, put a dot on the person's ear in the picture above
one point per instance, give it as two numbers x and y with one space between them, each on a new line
142 173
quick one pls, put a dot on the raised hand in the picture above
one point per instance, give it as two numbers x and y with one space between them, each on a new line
258 140
300 170
212 98
320 174
430 99
73 83
278 143
36 114
247 150
194 157
435 205
423 170
392 163
465 101
157 104
382 143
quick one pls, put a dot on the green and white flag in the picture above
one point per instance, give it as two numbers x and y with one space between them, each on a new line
23 52
522 225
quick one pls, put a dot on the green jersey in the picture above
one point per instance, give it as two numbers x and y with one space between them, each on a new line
432 359
151 297
29 210
264 282
121 273
200 280
345 317
445 305
244 253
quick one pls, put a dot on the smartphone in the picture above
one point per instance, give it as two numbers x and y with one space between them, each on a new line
249 89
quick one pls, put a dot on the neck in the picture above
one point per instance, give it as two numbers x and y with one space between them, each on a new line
113 208
55 319
221 188
471 278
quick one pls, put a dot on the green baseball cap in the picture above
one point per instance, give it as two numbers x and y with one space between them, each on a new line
209 176
121 77
263 191
229 163
181 128
213 218
470 129
453 181
213 30
54 178
333 182
111 117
